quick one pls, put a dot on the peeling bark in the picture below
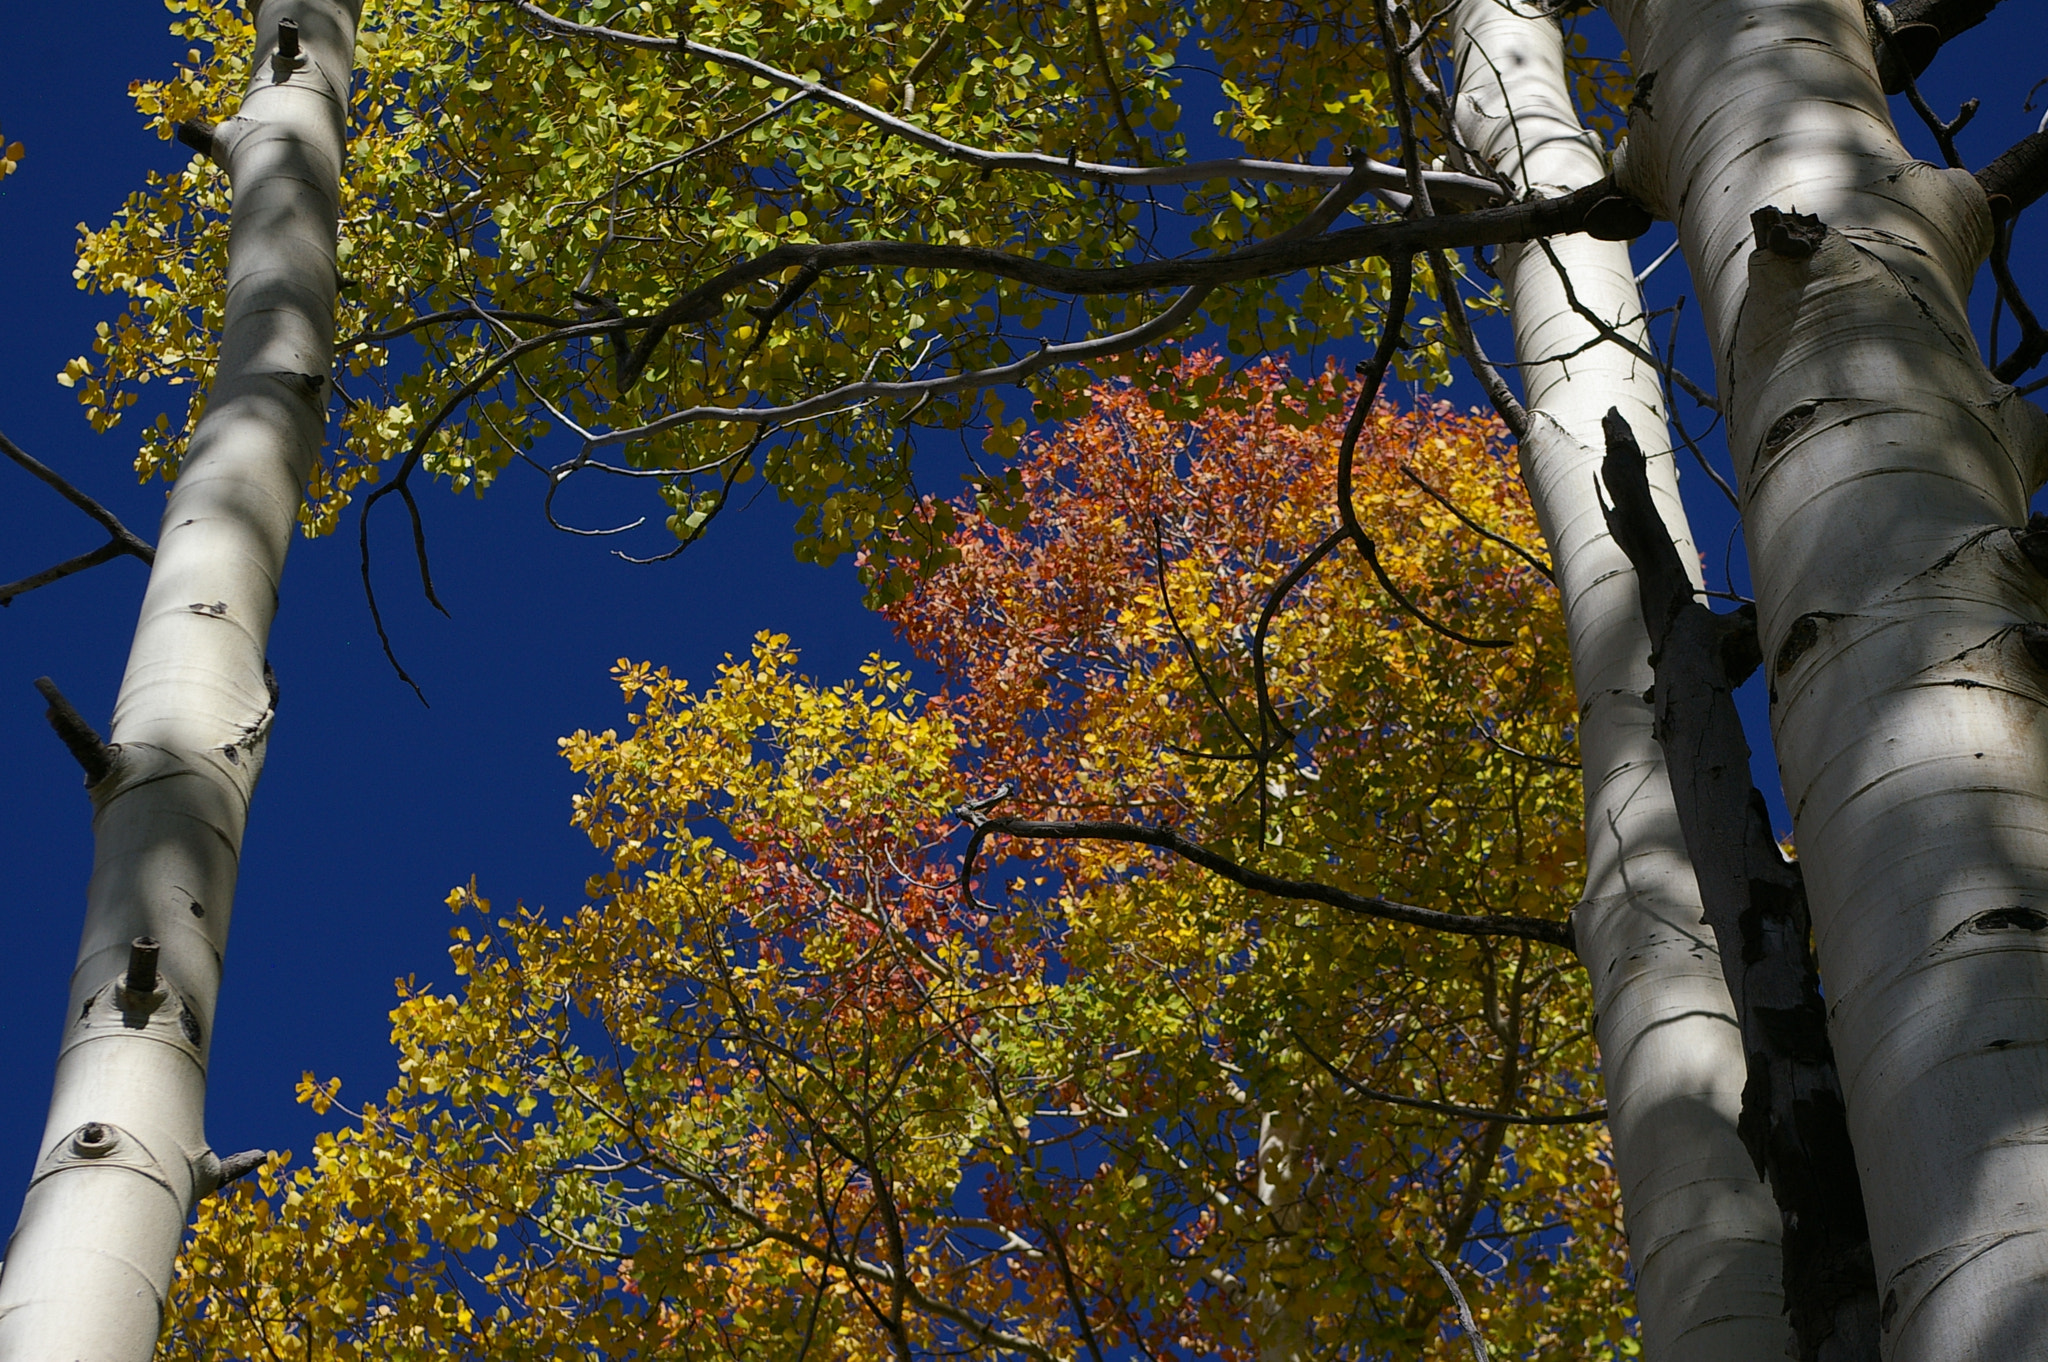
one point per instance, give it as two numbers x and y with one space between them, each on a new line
125 1152
1703 1232
1793 1119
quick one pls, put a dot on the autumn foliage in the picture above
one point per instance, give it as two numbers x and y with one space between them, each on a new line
782 1089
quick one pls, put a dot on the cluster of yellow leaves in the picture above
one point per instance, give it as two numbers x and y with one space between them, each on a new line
10 157
781 1086
505 187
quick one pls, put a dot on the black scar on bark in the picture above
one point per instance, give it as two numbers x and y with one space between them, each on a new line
1790 233
1793 1120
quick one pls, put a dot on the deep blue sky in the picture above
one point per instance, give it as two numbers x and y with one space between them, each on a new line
371 807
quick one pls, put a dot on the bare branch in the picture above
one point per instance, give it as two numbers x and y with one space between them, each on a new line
79 737
1457 1109
1580 210
1914 30
2018 177
120 539
1471 1325
1510 545
1309 891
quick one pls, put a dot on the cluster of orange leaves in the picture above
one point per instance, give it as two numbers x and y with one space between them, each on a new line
782 1089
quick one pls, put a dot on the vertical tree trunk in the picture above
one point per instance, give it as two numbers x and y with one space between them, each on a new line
1880 466
1793 1120
125 1154
1281 1336
1703 1230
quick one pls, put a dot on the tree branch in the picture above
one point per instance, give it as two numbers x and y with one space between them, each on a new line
2018 177
1591 209
1914 30
84 743
120 539
1459 1110
1166 839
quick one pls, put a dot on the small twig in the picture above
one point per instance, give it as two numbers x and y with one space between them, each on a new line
235 1167
1275 598
2033 342
79 737
1116 90
1561 763
1944 133
1510 545
120 539
1505 404
1677 421
1458 1109
1373 372
1166 839
1608 329
1188 644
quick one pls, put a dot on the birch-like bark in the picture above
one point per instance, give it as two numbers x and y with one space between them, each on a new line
1881 466
1703 1230
1282 1336
125 1155
1793 1121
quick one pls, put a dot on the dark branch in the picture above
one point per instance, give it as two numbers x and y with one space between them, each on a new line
1916 29
1166 839
120 539
78 736
1469 523
1580 210
1571 1118
2018 177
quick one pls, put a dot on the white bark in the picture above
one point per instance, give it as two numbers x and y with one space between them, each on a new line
1703 1229
1878 460
125 1152
1281 1337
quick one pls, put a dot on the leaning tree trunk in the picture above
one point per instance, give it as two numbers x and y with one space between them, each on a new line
125 1154
1880 465
1703 1230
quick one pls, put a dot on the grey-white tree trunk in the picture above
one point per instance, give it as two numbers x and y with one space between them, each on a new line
1879 462
1703 1230
125 1155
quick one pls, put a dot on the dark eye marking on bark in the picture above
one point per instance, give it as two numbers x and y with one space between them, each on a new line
2018 918
2033 542
1888 1309
218 609
1640 99
1804 633
2034 638
189 1024
1790 424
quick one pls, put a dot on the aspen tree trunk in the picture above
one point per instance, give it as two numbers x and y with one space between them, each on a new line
1703 1230
1880 465
125 1155
1281 1337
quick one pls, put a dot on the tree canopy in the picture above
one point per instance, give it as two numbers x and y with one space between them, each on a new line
789 1081
554 229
